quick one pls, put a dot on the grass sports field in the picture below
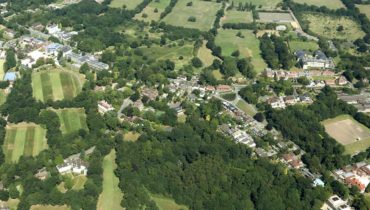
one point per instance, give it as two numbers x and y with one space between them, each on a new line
26 139
71 119
165 203
331 4
56 85
205 55
203 11
149 10
111 196
247 46
130 4
303 45
172 53
49 207
233 16
261 4
365 9
347 131
326 26
2 73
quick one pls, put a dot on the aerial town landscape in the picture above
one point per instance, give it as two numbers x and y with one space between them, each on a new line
184 104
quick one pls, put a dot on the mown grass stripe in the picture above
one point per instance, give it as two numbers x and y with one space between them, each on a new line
67 84
19 144
58 93
47 89
29 141
9 141
37 86
40 142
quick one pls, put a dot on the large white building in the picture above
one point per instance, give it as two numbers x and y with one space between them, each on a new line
318 61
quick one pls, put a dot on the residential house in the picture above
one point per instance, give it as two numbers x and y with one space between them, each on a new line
104 106
10 76
76 166
330 82
151 93
342 80
336 203
53 29
224 88
290 100
276 102
42 174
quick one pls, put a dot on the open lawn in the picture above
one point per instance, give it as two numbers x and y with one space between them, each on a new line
111 196
261 4
2 73
77 182
56 84
331 4
248 46
351 134
233 16
71 119
171 53
131 136
205 55
149 10
203 11
26 139
247 108
217 74
130 4
365 9
325 25
11 203
49 207
2 97
303 45
165 203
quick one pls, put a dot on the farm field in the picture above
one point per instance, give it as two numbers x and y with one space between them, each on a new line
165 203
71 119
205 55
203 11
261 4
111 196
303 45
56 85
149 10
171 53
247 46
347 131
326 26
2 73
233 16
49 207
331 4
365 9
130 4
26 139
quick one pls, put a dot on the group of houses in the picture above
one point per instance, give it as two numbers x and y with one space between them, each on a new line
292 160
283 101
360 101
357 175
238 135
